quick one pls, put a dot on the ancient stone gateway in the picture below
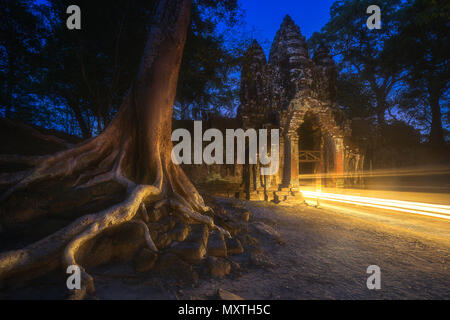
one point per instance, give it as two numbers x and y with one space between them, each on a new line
296 94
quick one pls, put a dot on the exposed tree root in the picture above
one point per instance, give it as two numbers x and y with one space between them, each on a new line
134 152
71 238
19 159
30 131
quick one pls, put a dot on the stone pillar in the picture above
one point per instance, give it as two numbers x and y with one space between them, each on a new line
258 176
319 168
291 161
339 161
286 179
246 178
280 173
253 177
295 161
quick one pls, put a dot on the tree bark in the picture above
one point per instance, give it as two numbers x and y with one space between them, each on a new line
380 96
134 152
436 132
85 130
381 105
381 119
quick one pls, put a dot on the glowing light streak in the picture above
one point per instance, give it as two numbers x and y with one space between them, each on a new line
426 209
384 173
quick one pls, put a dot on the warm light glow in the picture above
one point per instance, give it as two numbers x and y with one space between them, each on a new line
415 172
426 209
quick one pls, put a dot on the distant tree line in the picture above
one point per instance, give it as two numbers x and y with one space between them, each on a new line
397 76
75 79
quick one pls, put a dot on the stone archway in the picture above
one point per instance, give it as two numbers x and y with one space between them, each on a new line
293 118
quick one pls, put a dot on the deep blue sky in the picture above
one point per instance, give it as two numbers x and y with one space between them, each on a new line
265 16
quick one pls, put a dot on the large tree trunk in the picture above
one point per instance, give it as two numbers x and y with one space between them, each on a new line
381 109
133 153
436 133
85 129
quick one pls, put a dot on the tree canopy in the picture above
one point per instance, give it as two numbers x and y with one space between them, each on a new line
74 80
20 45
421 48
393 81
86 72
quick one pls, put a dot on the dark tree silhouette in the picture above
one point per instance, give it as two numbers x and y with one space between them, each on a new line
133 153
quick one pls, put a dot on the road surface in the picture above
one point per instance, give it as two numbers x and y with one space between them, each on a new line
327 252
325 255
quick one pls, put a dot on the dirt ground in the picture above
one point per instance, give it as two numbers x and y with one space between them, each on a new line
323 255
303 252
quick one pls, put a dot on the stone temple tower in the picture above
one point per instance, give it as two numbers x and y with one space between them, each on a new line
297 95
291 65
326 74
255 95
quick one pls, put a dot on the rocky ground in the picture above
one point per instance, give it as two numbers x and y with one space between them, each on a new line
292 252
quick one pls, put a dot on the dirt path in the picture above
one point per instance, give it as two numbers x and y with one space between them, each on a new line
326 256
323 255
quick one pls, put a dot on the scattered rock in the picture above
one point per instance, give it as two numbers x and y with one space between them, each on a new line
234 246
258 259
248 240
231 221
216 245
266 230
235 268
218 267
179 232
193 249
227 295
190 251
232 226
145 260
199 233
171 265
241 213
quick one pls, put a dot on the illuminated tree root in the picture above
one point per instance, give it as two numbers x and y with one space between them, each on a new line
133 153
139 197
170 187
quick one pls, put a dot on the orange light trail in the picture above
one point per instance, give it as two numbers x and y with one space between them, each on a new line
426 209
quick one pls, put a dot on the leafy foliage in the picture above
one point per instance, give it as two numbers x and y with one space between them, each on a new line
422 49
401 70
82 75
361 51
20 44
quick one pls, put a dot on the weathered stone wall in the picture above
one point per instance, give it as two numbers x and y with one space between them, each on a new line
290 86
281 93
203 173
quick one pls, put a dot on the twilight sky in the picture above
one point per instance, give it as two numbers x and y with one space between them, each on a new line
265 17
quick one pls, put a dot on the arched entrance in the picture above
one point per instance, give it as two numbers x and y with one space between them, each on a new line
313 144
